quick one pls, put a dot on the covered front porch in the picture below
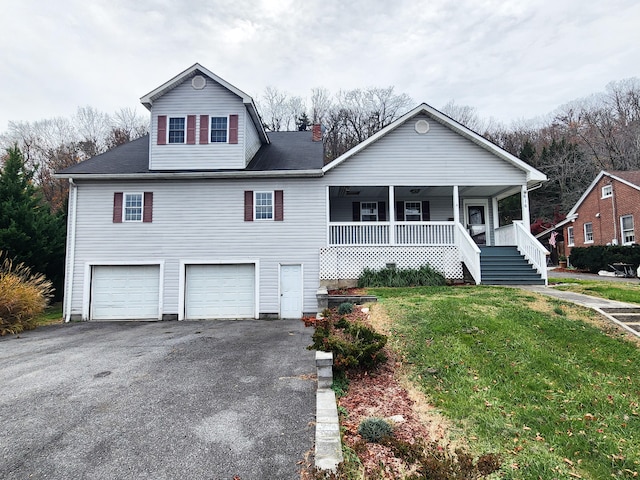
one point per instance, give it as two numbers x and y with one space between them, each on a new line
410 226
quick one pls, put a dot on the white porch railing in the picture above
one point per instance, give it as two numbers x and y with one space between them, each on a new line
405 233
517 234
469 252
348 234
425 233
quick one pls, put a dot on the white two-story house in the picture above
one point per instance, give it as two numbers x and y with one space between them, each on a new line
210 216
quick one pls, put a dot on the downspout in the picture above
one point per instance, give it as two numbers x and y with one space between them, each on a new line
71 248
615 215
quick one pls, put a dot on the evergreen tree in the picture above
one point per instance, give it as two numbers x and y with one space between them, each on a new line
303 123
29 232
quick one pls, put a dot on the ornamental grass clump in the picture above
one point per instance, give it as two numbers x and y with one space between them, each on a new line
424 276
23 297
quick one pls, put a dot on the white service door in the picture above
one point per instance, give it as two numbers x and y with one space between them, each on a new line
125 292
220 291
291 291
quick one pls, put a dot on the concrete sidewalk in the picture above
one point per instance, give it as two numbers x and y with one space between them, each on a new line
626 315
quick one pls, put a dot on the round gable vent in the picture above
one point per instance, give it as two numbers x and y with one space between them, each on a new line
198 82
422 127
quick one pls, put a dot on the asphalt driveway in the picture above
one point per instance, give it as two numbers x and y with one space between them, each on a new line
166 400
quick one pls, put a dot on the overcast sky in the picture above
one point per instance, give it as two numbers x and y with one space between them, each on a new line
509 59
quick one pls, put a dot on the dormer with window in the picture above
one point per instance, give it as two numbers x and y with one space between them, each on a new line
201 122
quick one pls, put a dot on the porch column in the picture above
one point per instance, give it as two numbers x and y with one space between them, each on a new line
456 204
524 200
496 214
392 216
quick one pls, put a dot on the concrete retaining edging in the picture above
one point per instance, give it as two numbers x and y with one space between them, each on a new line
328 453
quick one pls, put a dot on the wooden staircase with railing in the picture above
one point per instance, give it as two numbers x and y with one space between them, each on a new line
507 266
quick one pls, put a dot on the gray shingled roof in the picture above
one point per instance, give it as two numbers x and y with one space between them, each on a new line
287 151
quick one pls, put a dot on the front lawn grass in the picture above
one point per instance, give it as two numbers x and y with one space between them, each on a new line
530 378
620 291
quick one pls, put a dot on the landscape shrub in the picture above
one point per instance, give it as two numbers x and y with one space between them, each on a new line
345 308
599 257
23 296
424 276
374 429
353 344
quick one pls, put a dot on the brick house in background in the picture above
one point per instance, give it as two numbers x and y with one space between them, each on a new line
608 213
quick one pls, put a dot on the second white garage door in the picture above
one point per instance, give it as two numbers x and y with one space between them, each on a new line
220 291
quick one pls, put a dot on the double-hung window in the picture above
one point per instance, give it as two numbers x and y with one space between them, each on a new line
369 211
570 240
607 191
218 129
413 211
176 129
628 233
263 205
132 207
588 232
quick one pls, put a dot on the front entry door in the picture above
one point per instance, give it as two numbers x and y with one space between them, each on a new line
475 214
290 291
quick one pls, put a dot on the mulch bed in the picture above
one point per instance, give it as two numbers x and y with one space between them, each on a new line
379 393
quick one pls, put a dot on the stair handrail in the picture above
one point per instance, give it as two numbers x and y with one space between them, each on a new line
531 248
469 252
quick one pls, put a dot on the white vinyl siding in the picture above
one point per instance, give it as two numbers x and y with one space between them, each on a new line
252 141
213 228
627 228
441 157
213 101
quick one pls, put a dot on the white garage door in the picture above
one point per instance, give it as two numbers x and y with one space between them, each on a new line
125 292
220 291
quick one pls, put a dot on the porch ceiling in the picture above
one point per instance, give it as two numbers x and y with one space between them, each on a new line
485 191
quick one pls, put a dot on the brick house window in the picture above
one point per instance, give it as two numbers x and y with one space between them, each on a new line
607 191
628 233
588 232
570 240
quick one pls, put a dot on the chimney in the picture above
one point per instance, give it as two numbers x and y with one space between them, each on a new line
316 135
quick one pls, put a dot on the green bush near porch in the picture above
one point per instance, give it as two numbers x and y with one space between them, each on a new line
599 257
401 277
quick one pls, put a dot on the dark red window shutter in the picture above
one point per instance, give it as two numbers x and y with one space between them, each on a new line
356 211
279 206
248 206
117 207
147 214
400 211
233 128
382 211
204 128
426 214
191 129
162 129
